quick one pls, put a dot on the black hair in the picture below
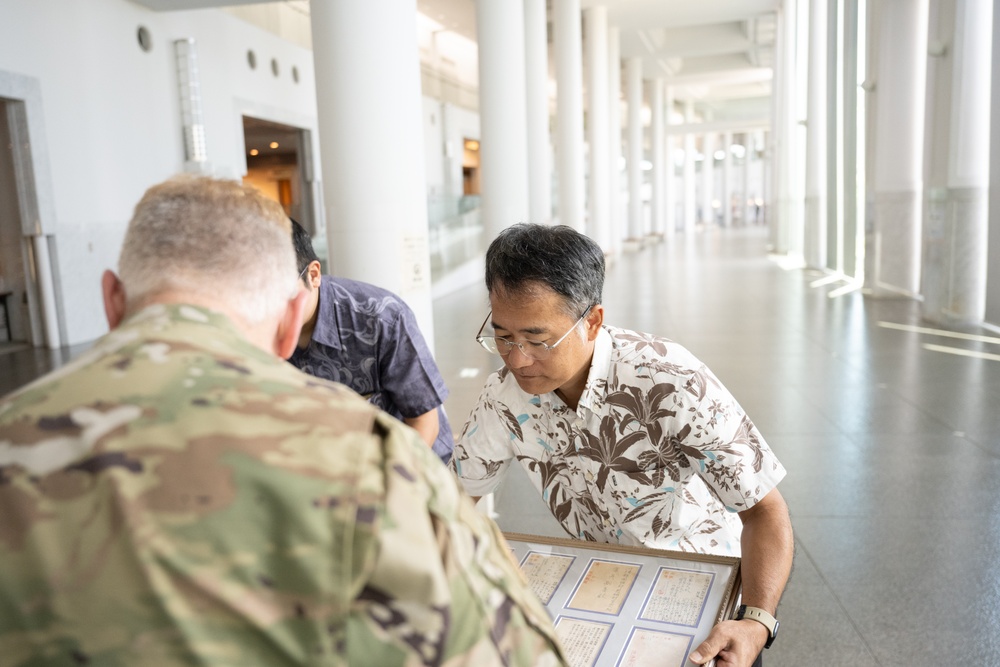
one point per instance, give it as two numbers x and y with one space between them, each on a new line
304 253
559 257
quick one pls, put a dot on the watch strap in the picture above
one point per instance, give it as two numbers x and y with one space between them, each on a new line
762 617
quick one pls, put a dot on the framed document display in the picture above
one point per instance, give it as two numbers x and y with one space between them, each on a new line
618 606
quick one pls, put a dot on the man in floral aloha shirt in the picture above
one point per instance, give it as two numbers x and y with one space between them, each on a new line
628 437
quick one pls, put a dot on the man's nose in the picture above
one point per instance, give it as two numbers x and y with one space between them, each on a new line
518 359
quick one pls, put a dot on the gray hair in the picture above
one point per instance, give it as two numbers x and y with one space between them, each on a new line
525 255
211 237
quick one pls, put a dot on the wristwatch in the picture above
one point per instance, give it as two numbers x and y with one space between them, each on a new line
762 617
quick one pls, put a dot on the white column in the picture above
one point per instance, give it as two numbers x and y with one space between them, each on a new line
536 56
748 154
503 124
659 174
568 49
46 291
669 191
372 148
993 273
814 233
617 203
727 180
786 224
956 162
598 125
708 193
894 240
690 205
764 200
775 136
633 74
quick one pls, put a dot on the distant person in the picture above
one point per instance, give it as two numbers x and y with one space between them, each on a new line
368 338
179 495
628 437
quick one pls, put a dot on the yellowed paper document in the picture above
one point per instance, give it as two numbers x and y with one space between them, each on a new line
544 572
678 596
605 587
582 640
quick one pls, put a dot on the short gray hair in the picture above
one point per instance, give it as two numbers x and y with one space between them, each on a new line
200 235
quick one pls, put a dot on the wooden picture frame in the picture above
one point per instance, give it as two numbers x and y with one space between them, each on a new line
620 606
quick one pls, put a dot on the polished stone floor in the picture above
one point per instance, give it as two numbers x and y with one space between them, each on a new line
889 432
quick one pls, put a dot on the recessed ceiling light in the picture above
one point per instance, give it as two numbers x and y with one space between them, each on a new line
274 144
254 151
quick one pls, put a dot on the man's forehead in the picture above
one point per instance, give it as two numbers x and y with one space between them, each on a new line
534 312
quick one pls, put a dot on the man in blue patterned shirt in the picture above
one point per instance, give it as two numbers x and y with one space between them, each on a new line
367 338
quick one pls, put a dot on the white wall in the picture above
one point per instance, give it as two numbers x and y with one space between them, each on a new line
112 117
446 127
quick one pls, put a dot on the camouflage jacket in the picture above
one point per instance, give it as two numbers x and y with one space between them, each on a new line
177 496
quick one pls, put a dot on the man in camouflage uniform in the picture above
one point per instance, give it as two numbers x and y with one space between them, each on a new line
180 495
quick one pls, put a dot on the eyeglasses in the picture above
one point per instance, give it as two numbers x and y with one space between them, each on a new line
532 349
303 272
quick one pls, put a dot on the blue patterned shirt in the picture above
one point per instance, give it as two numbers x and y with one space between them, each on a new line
368 339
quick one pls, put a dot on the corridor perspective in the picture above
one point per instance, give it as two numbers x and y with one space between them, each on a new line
804 193
888 430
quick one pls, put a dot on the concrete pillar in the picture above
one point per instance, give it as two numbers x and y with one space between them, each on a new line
786 225
669 189
690 205
993 272
659 174
633 73
708 194
598 126
536 56
893 242
727 180
46 291
748 154
814 232
956 162
763 200
372 148
616 201
567 44
503 123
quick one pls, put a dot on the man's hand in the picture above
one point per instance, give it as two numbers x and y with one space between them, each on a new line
732 644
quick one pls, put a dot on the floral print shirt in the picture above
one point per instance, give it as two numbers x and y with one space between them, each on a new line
658 453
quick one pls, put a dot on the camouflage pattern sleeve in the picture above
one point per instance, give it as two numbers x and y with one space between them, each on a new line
480 612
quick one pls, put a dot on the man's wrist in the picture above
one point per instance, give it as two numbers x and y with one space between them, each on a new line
761 618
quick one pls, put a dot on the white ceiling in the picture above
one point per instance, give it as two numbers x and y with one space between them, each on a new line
718 53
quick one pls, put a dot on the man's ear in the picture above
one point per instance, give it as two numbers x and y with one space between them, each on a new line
314 274
113 292
286 337
594 321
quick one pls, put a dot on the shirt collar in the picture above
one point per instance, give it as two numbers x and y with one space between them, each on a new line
593 392
597 380
326 330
